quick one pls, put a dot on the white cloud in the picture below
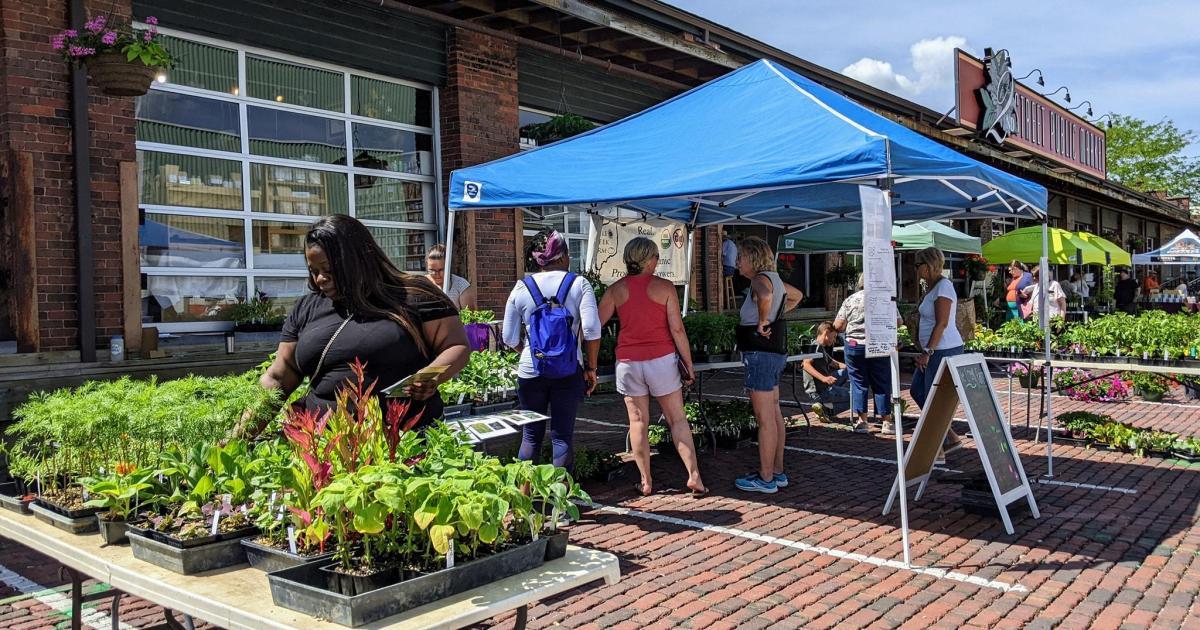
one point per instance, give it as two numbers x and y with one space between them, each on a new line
932 76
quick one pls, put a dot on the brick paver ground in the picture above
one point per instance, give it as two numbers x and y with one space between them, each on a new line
1116 546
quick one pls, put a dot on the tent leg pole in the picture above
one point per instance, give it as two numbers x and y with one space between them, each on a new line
1048 376
687 285
902 483
449 251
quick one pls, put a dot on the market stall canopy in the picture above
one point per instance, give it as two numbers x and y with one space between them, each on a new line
1025 245
847 237
760 145
1117 256
1181 250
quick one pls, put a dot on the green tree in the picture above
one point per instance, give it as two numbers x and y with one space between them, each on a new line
1152 156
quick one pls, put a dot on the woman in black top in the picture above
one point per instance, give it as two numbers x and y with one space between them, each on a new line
363 307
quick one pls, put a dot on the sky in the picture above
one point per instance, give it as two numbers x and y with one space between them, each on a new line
1139 58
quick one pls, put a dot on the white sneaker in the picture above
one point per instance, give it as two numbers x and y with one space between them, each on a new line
889 428
861 427
819 411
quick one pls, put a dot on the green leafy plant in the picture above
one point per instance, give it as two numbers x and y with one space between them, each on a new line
260 312
557 128
118 492
469 316
488 374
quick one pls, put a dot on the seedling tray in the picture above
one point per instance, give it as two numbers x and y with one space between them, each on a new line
75 525
267 558
58 509
190 560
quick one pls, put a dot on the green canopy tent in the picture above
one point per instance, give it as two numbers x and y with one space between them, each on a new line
847 237
1025 245
1117 256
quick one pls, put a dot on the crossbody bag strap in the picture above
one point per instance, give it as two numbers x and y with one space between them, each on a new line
321 362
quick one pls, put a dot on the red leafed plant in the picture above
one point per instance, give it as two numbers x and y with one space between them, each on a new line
402 416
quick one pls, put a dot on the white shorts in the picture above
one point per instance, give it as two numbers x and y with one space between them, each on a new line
656 377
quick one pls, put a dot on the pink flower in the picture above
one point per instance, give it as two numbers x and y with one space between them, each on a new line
80 51
109 38
58 42
151 20
71 33
147 36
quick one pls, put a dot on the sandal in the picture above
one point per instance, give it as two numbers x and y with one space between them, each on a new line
696 494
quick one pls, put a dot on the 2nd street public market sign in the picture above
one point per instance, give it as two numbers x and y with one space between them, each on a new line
1005 112
670 237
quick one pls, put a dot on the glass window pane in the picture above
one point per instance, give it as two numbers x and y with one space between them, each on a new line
279 245
284 292
291 190
171 299
394 150
171 240
406 248
385 100
190 121
170 179
202 66
298 85
384 199
294 136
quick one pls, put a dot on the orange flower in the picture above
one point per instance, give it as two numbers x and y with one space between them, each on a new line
124 468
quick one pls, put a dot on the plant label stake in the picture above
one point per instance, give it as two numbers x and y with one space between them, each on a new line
271 502
1145 355
532 530
85 494
450 555
216 520
292 540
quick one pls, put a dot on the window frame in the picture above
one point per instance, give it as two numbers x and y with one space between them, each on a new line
430 183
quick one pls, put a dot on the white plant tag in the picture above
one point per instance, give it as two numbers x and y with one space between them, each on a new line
216 520
292 540
271 502
1166 355
85 494
101 470
533 530
39 481
245 509
1145 356
450 555
461 397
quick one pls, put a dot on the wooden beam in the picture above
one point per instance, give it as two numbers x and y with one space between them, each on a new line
24 311
131 279
617 22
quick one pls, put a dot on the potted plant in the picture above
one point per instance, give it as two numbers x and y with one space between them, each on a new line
1187 449
256 320
121 60
1080 425
479 327
1151 387
558 128
117 494
1029 379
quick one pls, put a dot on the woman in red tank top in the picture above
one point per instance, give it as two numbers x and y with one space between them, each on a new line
652 350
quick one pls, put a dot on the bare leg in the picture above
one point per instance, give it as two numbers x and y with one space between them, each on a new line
681 432
781 427
639 442
766 410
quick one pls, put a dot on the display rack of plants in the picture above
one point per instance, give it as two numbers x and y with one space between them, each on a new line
267 557
76 525
189 560
308 588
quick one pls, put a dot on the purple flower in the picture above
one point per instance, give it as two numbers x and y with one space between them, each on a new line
80 51
96 24
147 36
71 33
58 42
151 20
109 38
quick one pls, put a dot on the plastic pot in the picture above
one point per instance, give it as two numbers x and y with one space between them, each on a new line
75 525
556 545
305 588
112 532
189 560
349 584
267 558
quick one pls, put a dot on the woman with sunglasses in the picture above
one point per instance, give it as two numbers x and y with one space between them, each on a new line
937 335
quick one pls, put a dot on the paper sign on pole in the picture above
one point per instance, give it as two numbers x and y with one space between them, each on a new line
672 253
879 271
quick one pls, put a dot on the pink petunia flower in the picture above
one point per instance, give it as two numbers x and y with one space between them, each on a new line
151 20
96 24
109 38
147 36
58 42
71 33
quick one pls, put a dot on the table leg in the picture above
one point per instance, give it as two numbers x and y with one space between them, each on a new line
76 599
114 611
522 617
169 617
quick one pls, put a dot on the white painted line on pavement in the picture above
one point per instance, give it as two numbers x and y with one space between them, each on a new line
57 600
1086 486
941 574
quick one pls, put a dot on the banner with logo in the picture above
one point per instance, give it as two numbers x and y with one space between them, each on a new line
612 237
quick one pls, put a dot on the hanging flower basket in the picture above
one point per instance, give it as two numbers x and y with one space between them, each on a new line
120 59
117 77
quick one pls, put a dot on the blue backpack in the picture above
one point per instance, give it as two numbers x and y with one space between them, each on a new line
552 341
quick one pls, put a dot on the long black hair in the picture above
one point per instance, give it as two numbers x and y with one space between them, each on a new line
367 282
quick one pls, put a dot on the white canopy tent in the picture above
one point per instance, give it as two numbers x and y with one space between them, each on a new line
759 146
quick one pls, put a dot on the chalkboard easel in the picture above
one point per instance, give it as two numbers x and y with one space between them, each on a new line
965 379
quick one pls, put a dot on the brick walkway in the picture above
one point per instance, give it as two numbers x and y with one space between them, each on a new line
1120 551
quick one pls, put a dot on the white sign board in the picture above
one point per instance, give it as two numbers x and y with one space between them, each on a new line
879 271
671 239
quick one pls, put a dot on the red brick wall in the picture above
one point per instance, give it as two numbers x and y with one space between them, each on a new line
35 116
480 119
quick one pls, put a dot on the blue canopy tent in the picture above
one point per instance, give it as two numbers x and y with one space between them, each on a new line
761 145
1181 250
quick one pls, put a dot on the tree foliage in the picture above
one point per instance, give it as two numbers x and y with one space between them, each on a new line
1153 156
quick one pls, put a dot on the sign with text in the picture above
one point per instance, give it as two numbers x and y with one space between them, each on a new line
879 271
671 239
965 379
1008 113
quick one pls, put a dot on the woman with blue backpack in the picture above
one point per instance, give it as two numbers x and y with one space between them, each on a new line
551 316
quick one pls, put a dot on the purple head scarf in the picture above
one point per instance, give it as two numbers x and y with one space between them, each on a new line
556 247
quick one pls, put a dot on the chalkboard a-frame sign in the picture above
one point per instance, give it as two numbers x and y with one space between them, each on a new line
965 379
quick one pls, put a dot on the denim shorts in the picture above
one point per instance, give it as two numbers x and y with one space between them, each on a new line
763 370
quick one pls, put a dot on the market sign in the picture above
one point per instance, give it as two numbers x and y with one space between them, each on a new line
1005 112
671 239
1181 251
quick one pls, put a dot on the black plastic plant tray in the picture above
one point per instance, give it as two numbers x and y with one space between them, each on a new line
191 560
267 558
57 509
172 541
